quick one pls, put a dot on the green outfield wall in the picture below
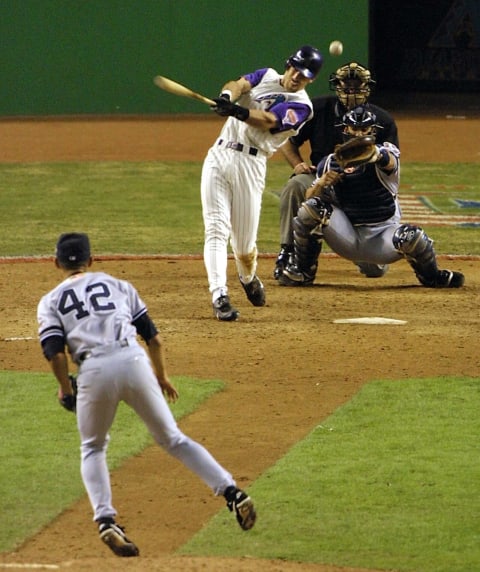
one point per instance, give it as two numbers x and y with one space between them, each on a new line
69 57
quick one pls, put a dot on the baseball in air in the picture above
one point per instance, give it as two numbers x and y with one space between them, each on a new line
336 48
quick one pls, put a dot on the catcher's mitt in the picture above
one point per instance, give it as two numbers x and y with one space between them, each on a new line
356 151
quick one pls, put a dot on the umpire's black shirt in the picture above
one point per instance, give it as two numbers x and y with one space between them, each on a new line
324 130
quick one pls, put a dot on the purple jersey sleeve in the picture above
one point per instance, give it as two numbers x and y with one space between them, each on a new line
255 77
290 115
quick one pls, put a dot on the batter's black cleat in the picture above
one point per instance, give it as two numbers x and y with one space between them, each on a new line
241 503
255 291
224 311
293 276
283 259
114 537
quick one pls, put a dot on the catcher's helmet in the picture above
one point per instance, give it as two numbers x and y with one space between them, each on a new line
307 60
352 83
359 121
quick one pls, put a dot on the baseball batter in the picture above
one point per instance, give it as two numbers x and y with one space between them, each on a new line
97 317
356 211
263 108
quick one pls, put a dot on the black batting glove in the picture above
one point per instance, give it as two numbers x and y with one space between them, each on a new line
225 108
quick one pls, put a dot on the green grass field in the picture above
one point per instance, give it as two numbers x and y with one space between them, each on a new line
390 480
154 208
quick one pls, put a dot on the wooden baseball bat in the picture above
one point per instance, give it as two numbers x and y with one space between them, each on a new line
179 89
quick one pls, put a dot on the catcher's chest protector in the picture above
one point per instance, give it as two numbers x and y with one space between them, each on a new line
363 198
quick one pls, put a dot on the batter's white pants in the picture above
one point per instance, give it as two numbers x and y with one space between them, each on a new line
232 185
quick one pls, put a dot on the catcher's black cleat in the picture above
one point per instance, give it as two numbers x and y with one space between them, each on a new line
255 291
224 311
293 276
241 503
449 279
283 259
114 537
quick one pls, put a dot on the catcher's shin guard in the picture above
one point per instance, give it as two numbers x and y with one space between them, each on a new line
302 270
417 247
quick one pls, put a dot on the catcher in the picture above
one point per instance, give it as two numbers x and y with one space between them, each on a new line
353 85
353 206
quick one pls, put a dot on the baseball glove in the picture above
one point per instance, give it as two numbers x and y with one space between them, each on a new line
69 401
356 151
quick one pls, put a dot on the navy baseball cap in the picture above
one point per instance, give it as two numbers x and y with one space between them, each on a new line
307 60
73 249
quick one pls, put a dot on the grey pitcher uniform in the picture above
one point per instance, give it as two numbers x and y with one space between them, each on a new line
357 212
97 317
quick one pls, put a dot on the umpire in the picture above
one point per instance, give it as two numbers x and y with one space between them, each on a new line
353 85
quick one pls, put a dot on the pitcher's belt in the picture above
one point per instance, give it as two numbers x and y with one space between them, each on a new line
103 350
237 147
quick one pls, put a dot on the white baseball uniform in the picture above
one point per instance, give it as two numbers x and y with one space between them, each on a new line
93 312
233 176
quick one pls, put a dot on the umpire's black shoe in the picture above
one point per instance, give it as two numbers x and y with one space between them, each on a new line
241 503
224 311
114 537
255 291
283 259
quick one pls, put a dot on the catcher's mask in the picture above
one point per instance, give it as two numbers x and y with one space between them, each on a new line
307 60
358 122
352 83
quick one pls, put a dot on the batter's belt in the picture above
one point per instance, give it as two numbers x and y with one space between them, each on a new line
103 350
238 147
